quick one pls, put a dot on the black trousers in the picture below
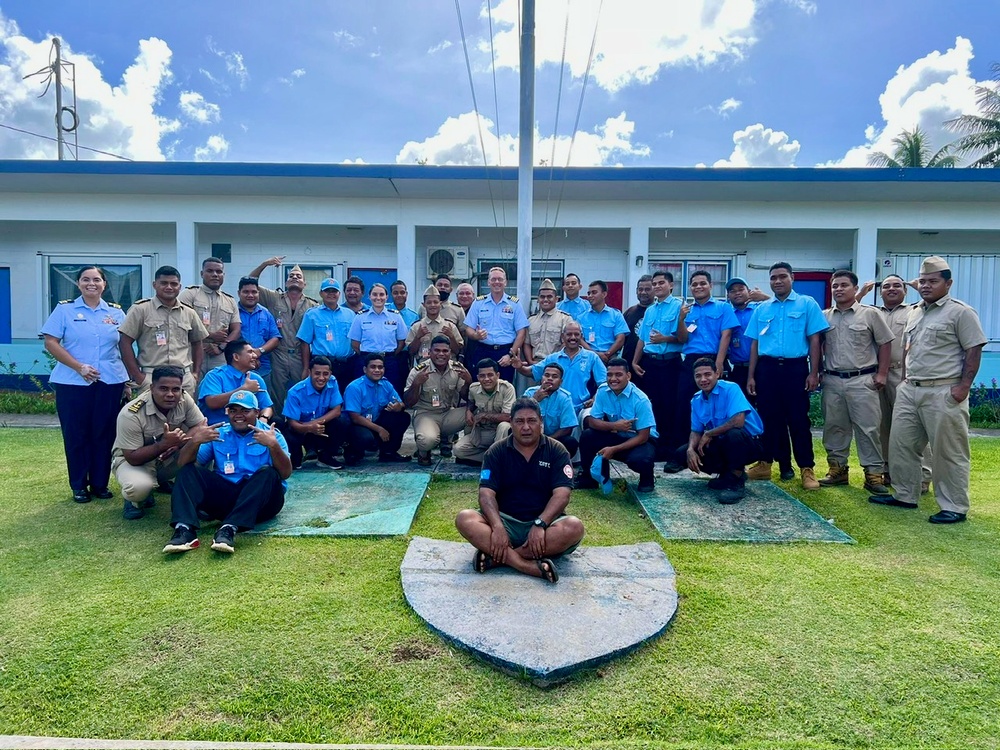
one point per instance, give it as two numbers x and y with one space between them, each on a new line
361 439
738 373
660 384
570 443
477 350
729 451
783 405
87 416
258 497
395 373
640 459
343 371
326 446
686 388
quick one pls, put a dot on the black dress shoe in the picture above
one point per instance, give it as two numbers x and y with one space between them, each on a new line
947 516
81 496
787 475
165 487
891 501
104 494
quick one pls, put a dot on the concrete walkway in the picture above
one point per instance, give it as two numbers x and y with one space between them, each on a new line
18 742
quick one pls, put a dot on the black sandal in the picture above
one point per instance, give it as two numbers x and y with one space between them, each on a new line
482 562
550 573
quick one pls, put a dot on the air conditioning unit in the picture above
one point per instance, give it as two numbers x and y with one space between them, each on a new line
453 261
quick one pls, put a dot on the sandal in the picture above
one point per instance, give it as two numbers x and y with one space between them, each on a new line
482 562
549 573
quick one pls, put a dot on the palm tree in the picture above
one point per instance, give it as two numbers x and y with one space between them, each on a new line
912 150
983 130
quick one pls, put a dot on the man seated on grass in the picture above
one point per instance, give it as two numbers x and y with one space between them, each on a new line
725 433
238 374
524 488
313 416
246 484
377 417
558 415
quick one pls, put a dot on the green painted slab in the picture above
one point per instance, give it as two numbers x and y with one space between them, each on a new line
684 508
328 503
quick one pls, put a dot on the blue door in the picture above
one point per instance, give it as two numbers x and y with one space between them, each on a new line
5 306
818 290
384 276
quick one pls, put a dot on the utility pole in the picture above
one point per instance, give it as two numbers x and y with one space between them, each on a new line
54 72
57 70
525 172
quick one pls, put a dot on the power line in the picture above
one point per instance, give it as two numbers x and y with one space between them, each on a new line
496 109
547 244
49 138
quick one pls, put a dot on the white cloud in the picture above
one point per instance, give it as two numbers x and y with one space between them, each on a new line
215 147
292 77
194 107
298 72
439 47
346 39
757 146
457 142
729 105
235 65
120 119
924 94
635 38
359 160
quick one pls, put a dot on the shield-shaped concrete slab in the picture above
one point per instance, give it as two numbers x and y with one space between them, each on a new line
608 602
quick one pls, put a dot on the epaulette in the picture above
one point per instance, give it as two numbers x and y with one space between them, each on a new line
114 304
312 299
189 307
140 301
65 301
481 297
421 366
386 309
513 298
136 405
456 365
959 302
227 294
196 286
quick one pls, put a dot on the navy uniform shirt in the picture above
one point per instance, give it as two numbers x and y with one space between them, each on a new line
739 344
524 487
91 336
237 456
304 403
326 330
223 379
378 332
502 320
259 327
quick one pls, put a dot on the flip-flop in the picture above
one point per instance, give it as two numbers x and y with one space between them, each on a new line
550 574
482 562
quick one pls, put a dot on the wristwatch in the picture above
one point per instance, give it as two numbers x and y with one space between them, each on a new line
540 523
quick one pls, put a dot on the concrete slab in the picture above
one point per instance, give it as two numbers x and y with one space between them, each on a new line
341 503
608 602
682 507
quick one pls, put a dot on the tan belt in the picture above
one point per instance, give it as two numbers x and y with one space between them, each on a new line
186 368
932 383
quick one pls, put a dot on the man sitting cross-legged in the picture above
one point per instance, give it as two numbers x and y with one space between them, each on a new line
524 488
313 415
246 484
725 433
558 416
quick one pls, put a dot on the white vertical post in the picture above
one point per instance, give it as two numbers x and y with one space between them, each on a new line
638 246
865 256
406 263
525 172
187 252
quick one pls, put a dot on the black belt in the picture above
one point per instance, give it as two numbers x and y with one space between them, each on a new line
784 360
696 357
495 347
845 374
739 364
663 357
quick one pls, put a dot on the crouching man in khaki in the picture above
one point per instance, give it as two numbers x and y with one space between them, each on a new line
151 428
434 390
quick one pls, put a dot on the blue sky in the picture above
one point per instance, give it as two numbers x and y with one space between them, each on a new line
673 83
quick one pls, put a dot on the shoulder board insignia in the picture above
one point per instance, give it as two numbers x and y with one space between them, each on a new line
226 294
65 301
196 286
481 297
311 299
136 405
140 301
513 298
185 304
421 366
114 304
391 311
456 365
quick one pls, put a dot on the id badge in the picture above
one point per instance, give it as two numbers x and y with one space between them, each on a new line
764 329
206 317
591 337
329 334
692 327
368 416
228 468
436 400
279 322
161 338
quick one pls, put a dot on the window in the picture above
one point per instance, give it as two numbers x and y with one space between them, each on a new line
720 271
540 269
130 278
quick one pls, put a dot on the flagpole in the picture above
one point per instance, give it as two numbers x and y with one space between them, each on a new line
525 172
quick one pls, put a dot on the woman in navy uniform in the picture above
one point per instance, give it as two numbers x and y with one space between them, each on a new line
89 380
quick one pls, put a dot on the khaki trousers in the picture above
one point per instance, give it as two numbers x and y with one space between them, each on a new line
286 370
925 416
887 399
473 445
137 482
852 405
429 427
210 363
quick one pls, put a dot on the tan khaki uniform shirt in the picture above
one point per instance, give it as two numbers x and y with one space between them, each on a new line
854 336
435 328
163 334
288 321
937 337
441 392
896 318
449 311
140 422
498 402
216 309
545 332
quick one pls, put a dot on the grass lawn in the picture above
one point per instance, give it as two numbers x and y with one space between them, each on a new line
893 642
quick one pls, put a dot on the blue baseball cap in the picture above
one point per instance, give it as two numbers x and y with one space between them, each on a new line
329 284
245 399
600 472
736 280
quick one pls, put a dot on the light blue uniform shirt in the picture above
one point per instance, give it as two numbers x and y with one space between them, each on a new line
378 332
502 320
91 336
739 344
782 329
246 454
259 327
724 402
631 403
601 328
575 307
711 318
577 372
326 330
557 410
409 317
366 397
223 379
661 317
304 403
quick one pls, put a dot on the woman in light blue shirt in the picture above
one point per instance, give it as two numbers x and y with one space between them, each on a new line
89 381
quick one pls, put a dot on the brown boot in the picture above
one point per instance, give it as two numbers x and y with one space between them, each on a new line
875 484
837 474
809 480
760 470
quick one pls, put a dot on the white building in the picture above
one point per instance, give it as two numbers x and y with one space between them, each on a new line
380 222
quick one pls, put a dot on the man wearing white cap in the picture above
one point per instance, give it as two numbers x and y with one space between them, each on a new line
943 345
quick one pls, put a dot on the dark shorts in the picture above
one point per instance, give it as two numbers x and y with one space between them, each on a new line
518 530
